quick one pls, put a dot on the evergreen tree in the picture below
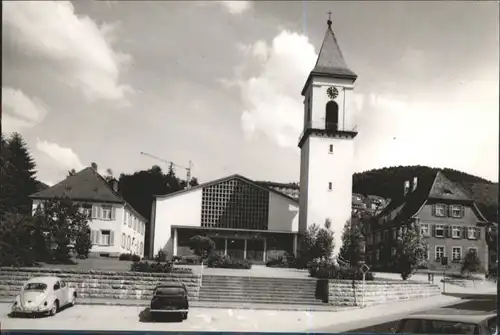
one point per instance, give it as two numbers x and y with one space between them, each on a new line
352 240
18 176
411 251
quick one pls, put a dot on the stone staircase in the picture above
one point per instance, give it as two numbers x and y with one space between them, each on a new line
344 293
270 290
98 284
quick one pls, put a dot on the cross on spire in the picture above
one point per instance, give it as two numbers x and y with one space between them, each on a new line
329 22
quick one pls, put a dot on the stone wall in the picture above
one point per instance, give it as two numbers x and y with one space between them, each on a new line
352 293
99 284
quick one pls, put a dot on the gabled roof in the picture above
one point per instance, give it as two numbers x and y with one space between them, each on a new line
431 185
445 189
330 60
221 180
86 186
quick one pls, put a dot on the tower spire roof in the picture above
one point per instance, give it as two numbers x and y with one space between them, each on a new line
330 60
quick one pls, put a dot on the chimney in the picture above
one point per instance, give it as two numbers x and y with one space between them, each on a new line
414 184
114 184
407 187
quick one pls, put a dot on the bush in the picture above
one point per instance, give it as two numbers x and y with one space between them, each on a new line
129 257
327 270
161 256
186 260
225 262
283 261
157 267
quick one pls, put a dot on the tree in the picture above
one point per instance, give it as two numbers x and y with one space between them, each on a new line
352 240
16 239
316 243
202 246
18 176
62 223
471 263
411 251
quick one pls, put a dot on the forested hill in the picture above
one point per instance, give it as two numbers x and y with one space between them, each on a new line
388 182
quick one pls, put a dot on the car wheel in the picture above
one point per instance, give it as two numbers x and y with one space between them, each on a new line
54 309
184 316
73 300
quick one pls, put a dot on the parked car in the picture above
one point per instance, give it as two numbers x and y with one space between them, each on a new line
44 295
463 322
170 298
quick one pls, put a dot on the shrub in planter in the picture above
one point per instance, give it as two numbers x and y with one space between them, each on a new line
282 261
129 257
327 270
225 262
157 267
125 257
161 256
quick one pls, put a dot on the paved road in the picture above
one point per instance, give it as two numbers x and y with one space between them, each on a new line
482 302
134 318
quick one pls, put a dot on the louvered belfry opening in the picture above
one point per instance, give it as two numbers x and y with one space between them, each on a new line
332 116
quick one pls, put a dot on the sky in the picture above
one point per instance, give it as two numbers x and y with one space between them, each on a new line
219 83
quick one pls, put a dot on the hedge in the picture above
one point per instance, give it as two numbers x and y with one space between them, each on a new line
225 262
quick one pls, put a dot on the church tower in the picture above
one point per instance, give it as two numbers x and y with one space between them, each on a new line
327 142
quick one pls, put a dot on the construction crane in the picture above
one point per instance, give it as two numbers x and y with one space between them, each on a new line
172 164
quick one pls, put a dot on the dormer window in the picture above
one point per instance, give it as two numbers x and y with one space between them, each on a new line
440 210
456 211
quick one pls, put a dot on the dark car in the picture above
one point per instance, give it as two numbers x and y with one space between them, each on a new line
170 298
445 322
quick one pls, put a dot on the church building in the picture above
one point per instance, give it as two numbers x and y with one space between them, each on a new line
255 220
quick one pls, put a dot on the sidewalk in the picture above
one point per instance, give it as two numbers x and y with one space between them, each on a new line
208 304
378 314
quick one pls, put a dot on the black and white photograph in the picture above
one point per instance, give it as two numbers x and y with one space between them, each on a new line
249 166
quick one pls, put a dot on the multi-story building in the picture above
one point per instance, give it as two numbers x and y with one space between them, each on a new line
115 226
444 214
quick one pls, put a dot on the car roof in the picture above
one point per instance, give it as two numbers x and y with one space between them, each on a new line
45 280
458 316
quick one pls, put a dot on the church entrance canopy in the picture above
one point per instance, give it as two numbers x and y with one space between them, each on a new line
255 245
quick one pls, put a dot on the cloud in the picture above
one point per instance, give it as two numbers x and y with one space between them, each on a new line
79 48
65 157
272 102
20 111
236 7
397 131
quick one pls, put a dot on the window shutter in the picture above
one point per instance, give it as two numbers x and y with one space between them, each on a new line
449 211
462 211
446 209
478 234
111 238
92 236
434 210
446 231
464 232
98 237
433 229
113 213
99 212
94 211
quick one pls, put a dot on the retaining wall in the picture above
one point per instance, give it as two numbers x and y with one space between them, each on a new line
352 293
99 284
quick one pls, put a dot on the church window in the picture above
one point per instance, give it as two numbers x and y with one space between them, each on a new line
332 116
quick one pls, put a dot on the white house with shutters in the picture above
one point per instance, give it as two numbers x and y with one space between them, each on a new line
116 227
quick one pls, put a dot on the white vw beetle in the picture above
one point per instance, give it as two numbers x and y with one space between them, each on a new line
44 295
